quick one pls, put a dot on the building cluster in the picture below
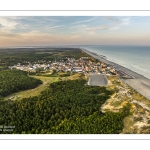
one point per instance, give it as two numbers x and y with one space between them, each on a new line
82 65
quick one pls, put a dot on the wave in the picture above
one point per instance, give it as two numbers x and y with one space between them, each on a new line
133 59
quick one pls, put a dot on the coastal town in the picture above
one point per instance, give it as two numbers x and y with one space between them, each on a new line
98 72
82 65
69 75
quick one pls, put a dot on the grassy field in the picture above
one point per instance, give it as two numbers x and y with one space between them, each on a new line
36 91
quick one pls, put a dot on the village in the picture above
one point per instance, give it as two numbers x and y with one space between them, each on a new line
82 65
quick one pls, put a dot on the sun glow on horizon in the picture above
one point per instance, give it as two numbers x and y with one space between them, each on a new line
74 30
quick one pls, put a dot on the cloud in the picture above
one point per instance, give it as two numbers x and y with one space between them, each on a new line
74 37
111 18
74 32
117 22
143 23
26 24
42 29
125 21
8 35
7 25
115 28
53 27
84 21
78 27
104 27
113 24
1 26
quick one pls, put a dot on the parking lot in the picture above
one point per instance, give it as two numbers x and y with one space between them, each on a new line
97 80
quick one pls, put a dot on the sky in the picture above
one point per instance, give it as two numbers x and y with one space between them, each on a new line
74 30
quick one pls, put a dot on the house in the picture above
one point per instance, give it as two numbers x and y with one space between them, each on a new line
77 69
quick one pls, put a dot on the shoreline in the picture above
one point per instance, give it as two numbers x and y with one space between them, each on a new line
139 82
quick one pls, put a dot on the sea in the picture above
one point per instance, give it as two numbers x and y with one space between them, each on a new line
135 58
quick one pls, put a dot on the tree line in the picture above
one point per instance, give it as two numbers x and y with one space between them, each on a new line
65 107
16 80
10 57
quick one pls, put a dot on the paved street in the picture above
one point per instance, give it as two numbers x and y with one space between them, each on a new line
140 83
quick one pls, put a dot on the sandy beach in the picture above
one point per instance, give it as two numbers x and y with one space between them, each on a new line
140 83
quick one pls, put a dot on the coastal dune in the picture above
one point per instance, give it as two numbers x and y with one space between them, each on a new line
139 83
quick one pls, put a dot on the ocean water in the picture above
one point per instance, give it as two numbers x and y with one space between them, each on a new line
136 58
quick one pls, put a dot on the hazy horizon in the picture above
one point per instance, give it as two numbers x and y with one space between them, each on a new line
34 31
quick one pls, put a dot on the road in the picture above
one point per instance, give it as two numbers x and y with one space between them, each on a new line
139 83
97 80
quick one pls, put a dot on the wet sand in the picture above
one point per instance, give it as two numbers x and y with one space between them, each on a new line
140 83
